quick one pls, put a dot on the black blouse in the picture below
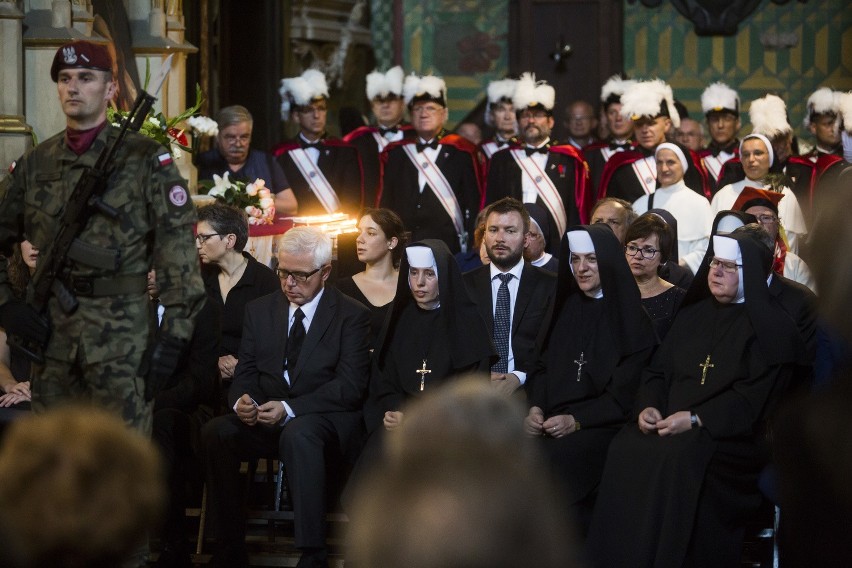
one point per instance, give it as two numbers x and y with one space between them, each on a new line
257 281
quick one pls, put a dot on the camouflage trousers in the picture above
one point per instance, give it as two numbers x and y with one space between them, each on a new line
115 384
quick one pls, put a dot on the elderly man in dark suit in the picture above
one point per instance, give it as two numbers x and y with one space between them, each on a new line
297 390
514 298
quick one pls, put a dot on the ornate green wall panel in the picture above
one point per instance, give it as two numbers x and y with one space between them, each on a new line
463 41
659 42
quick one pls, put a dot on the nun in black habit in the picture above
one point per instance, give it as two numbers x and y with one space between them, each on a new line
601 338
433 334
680 481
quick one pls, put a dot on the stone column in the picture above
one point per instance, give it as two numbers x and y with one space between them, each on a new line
82 16
15 133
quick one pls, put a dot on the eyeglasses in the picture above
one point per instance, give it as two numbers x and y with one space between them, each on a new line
646 252
232 138
428 110
299 277
729 267
766 219
201 239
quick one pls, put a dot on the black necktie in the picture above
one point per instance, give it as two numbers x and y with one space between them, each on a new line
423 145
616 147
386 131
500 143
295 339
531 151
305 145
501 325
715 149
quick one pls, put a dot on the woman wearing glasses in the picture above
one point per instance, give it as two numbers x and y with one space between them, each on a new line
681 481
231 276
648 245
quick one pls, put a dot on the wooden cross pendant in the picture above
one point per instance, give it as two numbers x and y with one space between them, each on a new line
580 362
704 366
423 371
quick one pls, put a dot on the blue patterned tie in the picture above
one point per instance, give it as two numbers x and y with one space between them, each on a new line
501 325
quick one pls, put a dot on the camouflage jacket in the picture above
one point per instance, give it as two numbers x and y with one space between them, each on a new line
154 228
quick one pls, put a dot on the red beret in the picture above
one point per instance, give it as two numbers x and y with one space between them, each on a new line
81 54
752 196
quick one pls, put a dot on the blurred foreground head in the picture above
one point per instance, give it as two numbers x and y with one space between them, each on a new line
77 489
463 488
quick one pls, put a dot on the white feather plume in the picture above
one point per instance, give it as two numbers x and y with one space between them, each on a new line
645 98
844 109
503 89
719 96
383 84
530 92
615 85
768 116
430 85
302 90
821 101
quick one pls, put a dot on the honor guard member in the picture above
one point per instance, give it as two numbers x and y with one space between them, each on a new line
432 180
823 121
630 175
500 115
721 107
768 117
384 91
324 173
620 130
540 170
106 350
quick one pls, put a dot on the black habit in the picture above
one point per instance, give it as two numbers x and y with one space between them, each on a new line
681 499
614 337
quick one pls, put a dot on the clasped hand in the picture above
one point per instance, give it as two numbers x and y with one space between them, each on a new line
650 420
556 426
269 413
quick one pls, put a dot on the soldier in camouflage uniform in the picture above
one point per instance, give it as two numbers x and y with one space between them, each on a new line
106 350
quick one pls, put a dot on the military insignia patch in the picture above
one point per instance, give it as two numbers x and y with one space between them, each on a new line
69 54
164 159
178 196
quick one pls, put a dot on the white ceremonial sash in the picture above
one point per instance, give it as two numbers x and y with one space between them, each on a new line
441 188
544 185
380 140
489 148
646 172
714 166
316 180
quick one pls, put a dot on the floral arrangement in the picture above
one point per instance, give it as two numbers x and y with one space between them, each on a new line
254 198
165 130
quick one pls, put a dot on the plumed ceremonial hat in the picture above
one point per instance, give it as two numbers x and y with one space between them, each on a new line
502 90
753 196
530 93
649 98
83 55
822 101
768 116
719 97
613 89
385 84
302 90
426 88
844 108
